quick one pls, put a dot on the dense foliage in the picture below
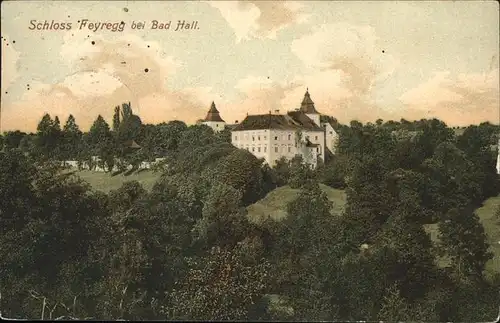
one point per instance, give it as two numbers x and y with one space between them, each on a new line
187 250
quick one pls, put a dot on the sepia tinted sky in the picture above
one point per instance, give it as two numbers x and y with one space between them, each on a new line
360 60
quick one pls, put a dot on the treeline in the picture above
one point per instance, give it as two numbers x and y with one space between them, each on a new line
187 250
113 145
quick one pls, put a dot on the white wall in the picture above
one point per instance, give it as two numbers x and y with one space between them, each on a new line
255 141
273 144
331 137
217 126
316 137
282 145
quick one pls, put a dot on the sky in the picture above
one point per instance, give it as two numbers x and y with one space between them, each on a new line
360 60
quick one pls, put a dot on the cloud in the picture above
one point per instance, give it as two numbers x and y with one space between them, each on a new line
9 63
259 19
259 95
350 49
108 73
458 99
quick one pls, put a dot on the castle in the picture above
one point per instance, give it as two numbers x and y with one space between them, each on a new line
273 136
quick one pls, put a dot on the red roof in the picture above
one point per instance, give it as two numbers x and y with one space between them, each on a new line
213 114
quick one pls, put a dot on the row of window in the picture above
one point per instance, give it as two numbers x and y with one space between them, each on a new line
264 149
275 137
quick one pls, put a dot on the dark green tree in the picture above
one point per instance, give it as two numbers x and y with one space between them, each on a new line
219 286
463 239
71 137
12 139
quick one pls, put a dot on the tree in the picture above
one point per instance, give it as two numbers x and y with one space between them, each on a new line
100 141
48 137
12 139
57 229
218 286
334 172
282 171
71 136
463 239
196 136
306 253
241 170
394 307
116 119
369 201
224 135
300 172
222 223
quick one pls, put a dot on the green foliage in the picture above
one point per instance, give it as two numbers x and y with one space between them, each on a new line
221 222
463 239
241 170
300 173
186 249
57 222
218 286
12 139
116 119
282 171
48 138
334 172
71 139
394 307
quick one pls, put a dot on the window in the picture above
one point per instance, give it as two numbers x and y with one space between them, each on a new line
265 137
235 137
276 138
253 148
258 137
275 149
317 149
253 138
289 137
265 149
316 138
258 149
217 125
289 149
331 133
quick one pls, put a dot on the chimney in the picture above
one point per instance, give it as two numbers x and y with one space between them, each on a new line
277 111
235 121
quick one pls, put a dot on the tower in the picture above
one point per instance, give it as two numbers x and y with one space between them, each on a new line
213 119
308 108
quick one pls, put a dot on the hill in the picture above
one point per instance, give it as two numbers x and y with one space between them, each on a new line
491 226
275 202
105 182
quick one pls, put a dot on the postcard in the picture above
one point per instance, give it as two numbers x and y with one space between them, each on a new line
250 160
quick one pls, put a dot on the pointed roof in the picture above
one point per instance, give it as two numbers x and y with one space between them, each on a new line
307 105
213 114
132 144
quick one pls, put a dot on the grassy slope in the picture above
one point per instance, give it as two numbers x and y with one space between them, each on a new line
105 182
274 205
275 202
492 228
